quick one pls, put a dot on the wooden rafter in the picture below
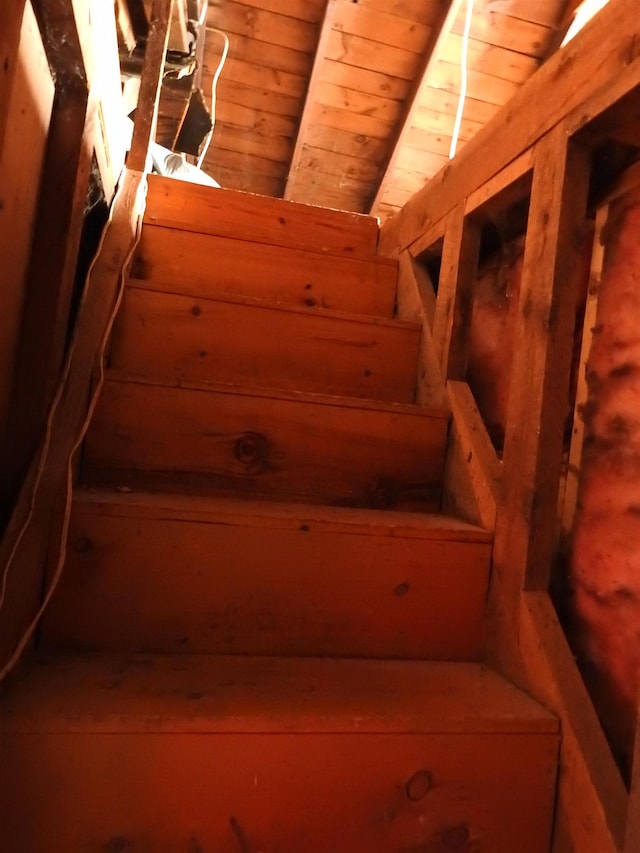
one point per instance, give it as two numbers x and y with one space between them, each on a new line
321 49
434 51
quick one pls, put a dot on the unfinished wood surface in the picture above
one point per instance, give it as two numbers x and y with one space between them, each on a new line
539 400
592 797
632 829
28 106
203 265
313 85
484 468
147 111
569 488
28 533
416 298
11 15
222 578
498 788
282 446
50 280
262 220
458 273
436 48
253 739
566 82
265 345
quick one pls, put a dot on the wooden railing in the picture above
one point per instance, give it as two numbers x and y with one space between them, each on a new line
539 147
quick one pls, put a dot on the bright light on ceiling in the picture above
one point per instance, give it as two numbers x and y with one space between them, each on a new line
585 11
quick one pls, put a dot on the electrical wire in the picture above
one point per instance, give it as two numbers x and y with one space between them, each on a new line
464 80
62 386
214 91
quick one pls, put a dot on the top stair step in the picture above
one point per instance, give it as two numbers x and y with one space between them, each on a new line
260 219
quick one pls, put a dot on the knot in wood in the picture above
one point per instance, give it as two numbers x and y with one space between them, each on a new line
456 837
251 449
419 785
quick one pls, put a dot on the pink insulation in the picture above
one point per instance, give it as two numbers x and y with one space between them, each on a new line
492 335
605 569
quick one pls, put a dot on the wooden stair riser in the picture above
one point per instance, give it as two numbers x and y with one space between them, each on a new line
300 447
171 336
206 266
241 585
161 793
189 752
259 219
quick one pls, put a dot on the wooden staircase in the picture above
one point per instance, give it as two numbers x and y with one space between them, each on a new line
266 637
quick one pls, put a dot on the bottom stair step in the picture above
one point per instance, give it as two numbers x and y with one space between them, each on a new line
198 753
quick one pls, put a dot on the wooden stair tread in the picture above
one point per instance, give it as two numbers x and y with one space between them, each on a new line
249 341
276 305
226 576
246 512
260 218
205 437
333 400
207 265
205 694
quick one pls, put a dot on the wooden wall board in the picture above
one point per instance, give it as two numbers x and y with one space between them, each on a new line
261 54
248 74
382 27
264 25
271 100
30 104
274 445
366 80
338 141
29 530
365 53
503 30
249 583
340 165
11 15
362 103
248 343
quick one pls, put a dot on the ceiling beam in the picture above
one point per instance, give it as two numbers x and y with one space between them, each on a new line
441 31
321 50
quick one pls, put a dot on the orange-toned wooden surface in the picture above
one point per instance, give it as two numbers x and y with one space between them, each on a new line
126 694
283 446
285 793
315 584
260 219
194 753
205 265
168 335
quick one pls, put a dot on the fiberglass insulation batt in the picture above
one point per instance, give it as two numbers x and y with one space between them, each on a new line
605 567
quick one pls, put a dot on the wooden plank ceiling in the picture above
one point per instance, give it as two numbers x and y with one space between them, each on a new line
351 103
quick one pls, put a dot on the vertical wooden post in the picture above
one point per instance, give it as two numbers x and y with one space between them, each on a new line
49 284
150 83
539 399
455 292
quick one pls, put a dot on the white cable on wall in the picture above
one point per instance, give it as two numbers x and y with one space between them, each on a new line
214 89
464 75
